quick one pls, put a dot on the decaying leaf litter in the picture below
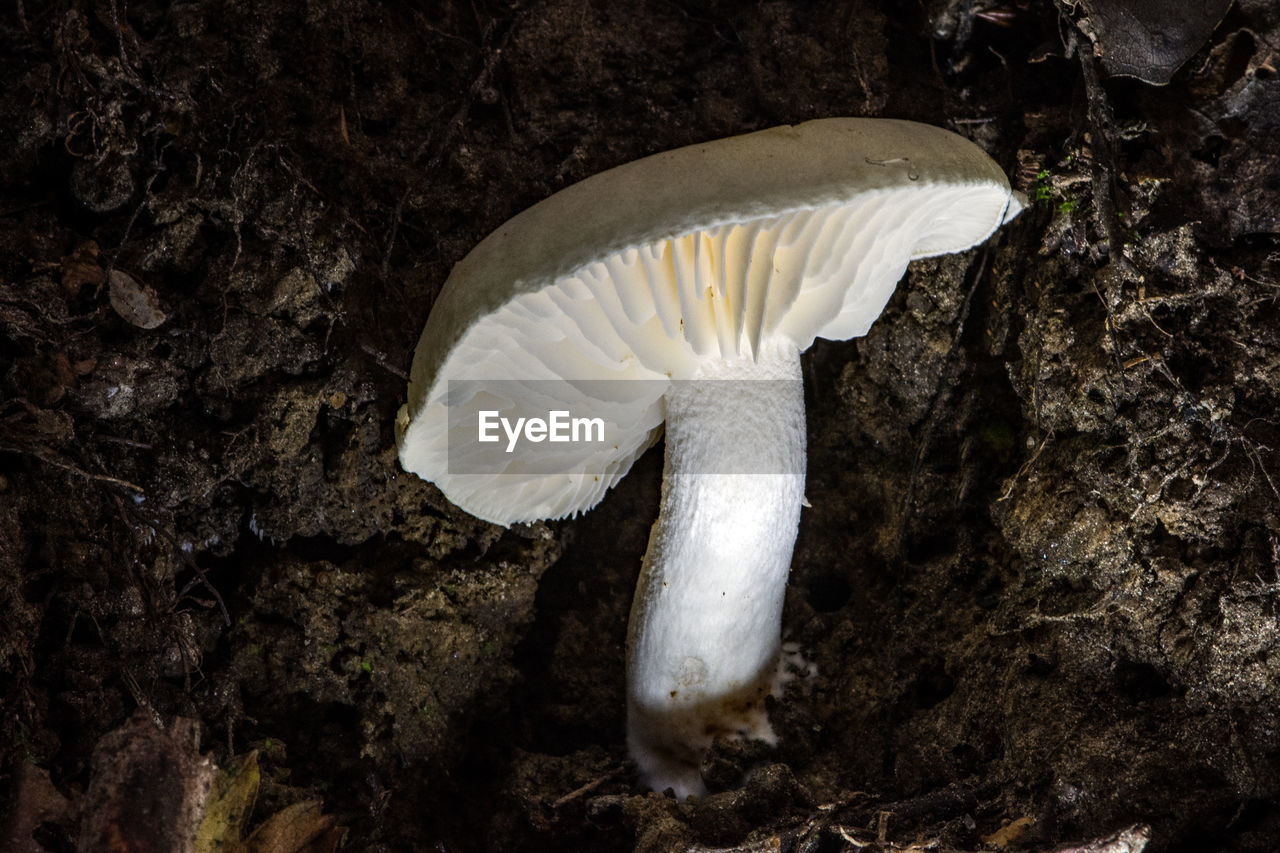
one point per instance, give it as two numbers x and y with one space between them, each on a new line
1038 578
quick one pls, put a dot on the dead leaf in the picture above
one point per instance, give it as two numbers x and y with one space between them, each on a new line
1150 39
135 302
299 828
1247 203
148 788
1011 833
81 268
46 379
230 805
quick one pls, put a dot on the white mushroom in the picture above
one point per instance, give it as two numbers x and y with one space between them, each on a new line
683 287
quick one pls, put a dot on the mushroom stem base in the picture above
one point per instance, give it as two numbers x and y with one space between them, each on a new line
705 630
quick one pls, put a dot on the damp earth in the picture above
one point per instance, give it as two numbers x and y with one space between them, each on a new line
1038 580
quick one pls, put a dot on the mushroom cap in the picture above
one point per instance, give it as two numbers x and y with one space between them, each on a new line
645 271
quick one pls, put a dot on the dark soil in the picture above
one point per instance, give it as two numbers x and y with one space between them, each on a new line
1039 578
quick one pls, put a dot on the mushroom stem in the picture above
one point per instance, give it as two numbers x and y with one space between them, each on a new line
705 630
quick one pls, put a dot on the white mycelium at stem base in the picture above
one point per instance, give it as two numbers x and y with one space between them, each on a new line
705 629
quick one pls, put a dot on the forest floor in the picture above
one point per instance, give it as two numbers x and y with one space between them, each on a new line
1039 577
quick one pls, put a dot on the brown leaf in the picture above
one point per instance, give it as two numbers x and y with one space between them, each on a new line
148 789
1011 833
1150 39
81 268
299 828
135 302
45 378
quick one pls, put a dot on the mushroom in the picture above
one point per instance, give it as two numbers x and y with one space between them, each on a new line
683 287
